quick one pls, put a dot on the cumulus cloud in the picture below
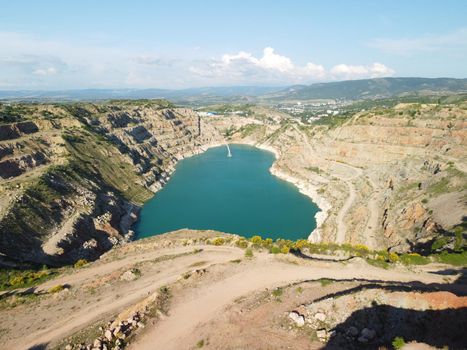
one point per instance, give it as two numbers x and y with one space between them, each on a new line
376 70
31 62
275 68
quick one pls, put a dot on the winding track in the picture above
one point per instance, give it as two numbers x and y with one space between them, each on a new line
203 302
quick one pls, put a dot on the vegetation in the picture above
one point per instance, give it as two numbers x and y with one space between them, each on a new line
12 279
56 289
248 253
80 263
398 343
325 282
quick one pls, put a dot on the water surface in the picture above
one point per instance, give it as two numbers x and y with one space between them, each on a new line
235 195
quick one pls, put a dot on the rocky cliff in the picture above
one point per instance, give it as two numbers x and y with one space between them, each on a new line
387 178
73 176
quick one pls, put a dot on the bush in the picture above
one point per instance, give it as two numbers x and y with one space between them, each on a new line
56 289
267 243
439 243
248 253
277 292
414 259
458 259
275 250
80 263
218 241
325 282
398 343
285 250
242 243
256 240
393 257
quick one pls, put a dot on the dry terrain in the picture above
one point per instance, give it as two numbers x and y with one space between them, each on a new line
218 297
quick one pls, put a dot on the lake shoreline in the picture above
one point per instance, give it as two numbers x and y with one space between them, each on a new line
304 187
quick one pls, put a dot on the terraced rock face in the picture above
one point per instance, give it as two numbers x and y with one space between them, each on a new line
392 178
73 176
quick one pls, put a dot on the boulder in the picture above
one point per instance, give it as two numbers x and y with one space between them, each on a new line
321 334
297 318
108 335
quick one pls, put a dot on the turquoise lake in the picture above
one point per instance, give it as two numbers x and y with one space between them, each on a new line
234 195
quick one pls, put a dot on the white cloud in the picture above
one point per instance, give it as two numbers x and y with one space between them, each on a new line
45 71
27 61
271 60
243 67
456 40
376 70
315 70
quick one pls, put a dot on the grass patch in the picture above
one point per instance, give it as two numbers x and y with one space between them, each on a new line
325 282
413 259
457 259
277 292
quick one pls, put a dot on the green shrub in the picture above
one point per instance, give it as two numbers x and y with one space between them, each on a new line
439 243
393 257
218 241
267 243
275 250
249 253
458 259
398 343
80 263
277 292
325 282
56 289
256 240
414 259
242 243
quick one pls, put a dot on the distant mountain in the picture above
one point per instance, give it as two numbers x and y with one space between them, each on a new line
350 89
371 88
174 95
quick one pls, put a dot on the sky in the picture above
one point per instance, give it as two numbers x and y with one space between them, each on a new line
76 44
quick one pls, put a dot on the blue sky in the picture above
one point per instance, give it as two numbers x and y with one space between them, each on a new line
177 44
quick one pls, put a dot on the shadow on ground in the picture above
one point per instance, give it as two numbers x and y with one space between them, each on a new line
438 328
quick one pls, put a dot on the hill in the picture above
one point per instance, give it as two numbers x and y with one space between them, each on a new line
371 89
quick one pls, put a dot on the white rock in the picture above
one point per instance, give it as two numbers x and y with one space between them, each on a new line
97 343
321 334
108 335
128 276
297 318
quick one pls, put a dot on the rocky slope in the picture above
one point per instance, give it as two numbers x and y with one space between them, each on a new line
74 175
387 178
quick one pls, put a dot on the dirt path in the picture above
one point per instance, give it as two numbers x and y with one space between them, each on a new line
59 323
177 331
